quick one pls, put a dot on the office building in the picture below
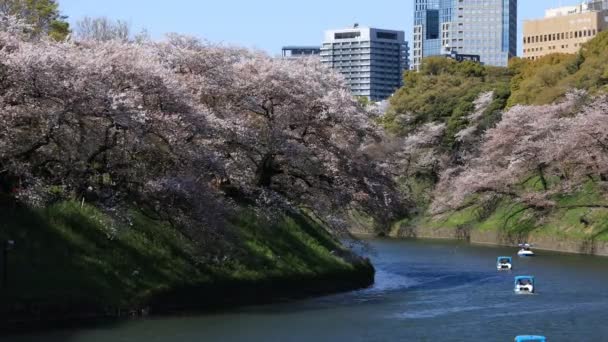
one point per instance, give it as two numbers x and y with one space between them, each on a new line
487 28
372 60
564 29
300 51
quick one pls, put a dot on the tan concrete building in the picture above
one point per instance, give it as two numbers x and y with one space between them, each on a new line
564 29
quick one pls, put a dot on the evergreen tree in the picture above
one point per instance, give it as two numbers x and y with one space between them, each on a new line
42 16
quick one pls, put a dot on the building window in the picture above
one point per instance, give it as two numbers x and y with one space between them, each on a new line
386 35
347 35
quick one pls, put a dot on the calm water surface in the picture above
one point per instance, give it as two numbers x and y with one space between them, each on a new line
424 291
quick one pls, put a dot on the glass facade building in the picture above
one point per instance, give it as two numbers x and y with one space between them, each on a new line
372 60
487 28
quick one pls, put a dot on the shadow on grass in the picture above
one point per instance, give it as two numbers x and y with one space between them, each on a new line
69 265
295 245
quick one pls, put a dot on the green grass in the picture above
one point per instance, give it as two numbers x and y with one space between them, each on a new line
68 255
295 246
569 221
362 222
566 220
452 220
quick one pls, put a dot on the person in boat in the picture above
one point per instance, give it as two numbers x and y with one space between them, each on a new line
524 284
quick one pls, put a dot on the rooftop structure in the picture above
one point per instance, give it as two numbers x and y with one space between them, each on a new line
461 57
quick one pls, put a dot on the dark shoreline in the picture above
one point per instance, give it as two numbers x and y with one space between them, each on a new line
496 238
210 298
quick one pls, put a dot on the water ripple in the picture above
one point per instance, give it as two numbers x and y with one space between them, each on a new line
432 313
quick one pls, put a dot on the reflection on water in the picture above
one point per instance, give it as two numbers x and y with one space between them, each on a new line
424 291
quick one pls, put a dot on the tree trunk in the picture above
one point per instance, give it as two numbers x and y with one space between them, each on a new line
541 173
265 171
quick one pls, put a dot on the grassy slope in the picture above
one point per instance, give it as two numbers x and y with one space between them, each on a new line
69 258
507 217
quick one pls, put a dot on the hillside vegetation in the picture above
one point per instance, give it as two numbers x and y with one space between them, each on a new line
436 120
547 79
531 157
444 91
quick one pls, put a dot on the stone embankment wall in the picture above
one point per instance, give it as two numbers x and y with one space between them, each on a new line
540 241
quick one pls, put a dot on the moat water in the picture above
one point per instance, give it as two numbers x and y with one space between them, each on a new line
424 291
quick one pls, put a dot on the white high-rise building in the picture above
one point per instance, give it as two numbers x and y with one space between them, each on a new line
372 60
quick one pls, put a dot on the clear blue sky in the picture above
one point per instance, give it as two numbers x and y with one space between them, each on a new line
265 24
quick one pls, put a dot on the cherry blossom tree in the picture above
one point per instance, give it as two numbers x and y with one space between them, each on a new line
183 127
305 137
105 122
416 161
556 147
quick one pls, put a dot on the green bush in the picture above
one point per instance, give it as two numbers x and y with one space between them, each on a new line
444 91
547 79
